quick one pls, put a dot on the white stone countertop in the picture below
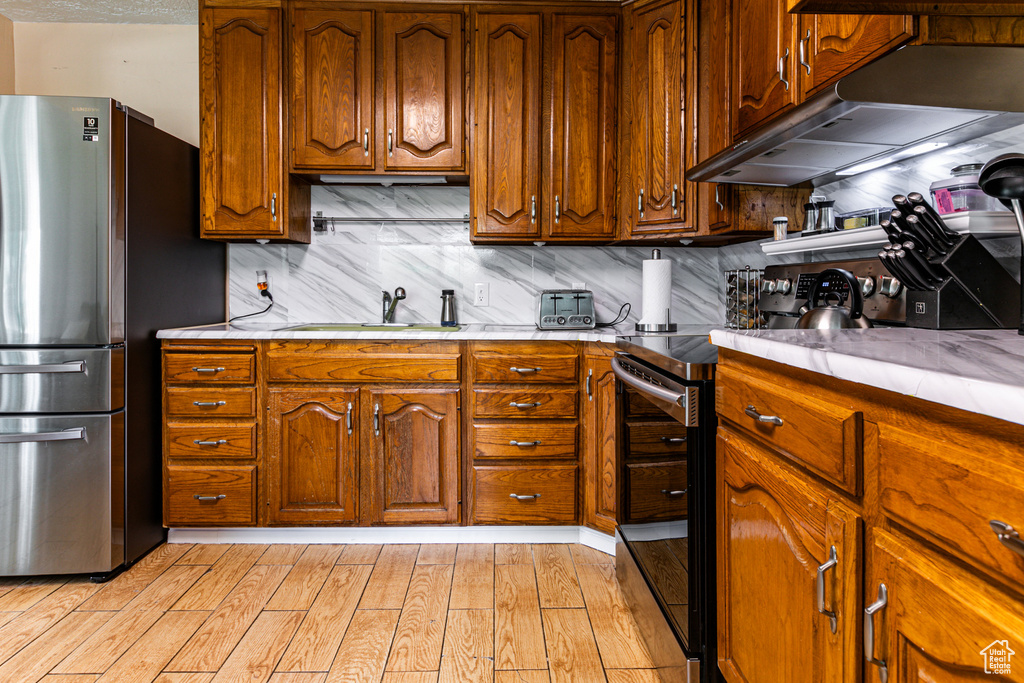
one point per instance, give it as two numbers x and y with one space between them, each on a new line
981 371
478 331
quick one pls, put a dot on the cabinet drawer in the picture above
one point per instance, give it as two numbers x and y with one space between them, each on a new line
553 488
433 361
638 406
655 438
214 402
525 368
226 496
531 440
221 368
654 491
540 403
822 436
950 494
211 440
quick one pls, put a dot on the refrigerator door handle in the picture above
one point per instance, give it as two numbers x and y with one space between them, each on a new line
70 366
63 435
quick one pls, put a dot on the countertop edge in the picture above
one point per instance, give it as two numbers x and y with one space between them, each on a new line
984 397
470 332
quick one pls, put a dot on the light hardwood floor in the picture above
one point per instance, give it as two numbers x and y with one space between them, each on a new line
329 613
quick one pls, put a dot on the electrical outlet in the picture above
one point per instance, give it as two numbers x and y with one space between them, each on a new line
482 294
579 286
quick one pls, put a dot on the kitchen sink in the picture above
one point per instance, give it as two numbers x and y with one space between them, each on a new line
373 327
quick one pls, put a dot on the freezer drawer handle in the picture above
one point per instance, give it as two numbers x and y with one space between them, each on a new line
70 366
518 497
64 435
205 404
204 498
207 369
219 442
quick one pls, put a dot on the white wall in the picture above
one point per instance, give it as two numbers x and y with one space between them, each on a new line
149 67
6 56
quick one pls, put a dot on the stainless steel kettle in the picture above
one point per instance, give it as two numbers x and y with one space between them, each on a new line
830 286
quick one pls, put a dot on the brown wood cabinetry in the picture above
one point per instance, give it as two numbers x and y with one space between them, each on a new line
210 435
246 191
764 74
601 440
377 91
934 482
415 455
332 89
658 145
312 455
654 465
523 403
537 176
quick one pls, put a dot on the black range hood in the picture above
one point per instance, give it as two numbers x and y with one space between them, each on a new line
910 102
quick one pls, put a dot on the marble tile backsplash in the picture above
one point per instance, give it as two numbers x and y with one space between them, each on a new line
340 275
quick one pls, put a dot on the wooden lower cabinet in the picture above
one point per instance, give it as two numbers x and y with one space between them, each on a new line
524 495
775 537
411 475
211 495
600 443
934 621
312 456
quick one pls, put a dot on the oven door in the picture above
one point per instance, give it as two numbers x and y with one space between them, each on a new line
667 519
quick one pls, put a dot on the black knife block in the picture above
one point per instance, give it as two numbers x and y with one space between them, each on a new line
978 295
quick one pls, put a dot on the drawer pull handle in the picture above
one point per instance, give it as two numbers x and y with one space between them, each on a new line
524 444
1008 536
208 404
207 369
72 434
376 419
518 497
348 419
674 494
674 439
869 632
831 562
207 498
523 371
513 404
219 442
769 419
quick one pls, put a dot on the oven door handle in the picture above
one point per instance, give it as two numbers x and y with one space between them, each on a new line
647 387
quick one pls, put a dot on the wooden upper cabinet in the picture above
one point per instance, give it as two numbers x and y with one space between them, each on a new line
414 436
656 193
332 90
764 78
937 620
583 101
505 189
423 58
774 533
830 46
312 455
245 192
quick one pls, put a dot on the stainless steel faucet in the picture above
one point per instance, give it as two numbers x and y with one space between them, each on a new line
388 305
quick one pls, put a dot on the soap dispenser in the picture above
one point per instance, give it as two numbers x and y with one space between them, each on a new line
448 318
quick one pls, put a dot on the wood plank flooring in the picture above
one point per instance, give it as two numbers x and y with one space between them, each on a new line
448 613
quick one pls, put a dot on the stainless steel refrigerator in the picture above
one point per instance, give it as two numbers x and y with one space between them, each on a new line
99 248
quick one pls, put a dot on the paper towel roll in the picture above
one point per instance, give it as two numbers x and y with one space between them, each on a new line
657 294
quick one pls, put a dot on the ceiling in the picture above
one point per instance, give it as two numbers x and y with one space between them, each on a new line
103 11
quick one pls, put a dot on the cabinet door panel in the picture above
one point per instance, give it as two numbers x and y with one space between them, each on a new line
835 44
938 619
312 455
240 73
601 445
415 437
774 533
583 98
425 121
656 154
764 66
506 159
332 89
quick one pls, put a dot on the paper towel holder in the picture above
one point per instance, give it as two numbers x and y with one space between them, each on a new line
666 326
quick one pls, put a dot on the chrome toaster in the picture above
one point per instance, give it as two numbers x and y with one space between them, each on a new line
566 309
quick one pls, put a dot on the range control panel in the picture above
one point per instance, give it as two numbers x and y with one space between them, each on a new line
785 288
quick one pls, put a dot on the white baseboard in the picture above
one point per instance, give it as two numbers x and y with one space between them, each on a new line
401 534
